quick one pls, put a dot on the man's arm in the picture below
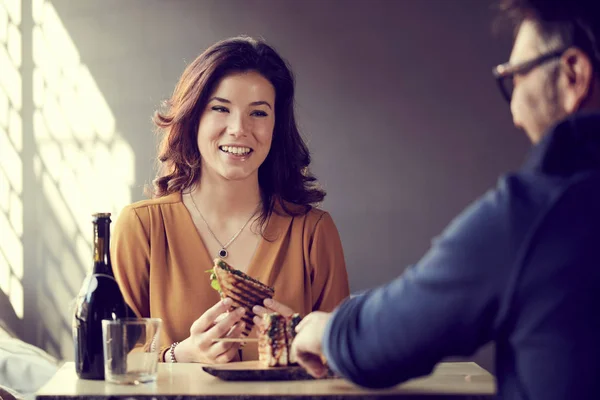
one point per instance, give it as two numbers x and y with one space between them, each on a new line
446 305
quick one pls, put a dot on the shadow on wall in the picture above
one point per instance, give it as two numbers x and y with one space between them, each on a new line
9 321
11 168
74 163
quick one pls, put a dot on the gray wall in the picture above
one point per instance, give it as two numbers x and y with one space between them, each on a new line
395 98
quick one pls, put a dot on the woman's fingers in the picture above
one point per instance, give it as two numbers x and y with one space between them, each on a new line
228 355
207 319
221 317
221 328
259 310
278 307
221 350
270 306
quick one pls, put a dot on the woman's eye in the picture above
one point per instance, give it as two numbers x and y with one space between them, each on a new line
259 113
219 109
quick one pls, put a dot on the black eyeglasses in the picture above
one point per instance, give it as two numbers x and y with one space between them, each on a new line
505 73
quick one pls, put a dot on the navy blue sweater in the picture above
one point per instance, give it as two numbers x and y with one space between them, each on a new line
520 266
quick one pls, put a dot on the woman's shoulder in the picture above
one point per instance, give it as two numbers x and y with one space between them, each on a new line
142 210
302 214
316 214
151 216
172 198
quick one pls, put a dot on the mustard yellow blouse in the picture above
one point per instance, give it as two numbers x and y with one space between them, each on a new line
159 261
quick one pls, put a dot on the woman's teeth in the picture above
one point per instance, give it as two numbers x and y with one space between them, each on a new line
239 151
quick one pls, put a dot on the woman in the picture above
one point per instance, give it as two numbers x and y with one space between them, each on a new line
234 184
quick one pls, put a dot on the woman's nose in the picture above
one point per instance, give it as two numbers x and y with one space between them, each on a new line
238 126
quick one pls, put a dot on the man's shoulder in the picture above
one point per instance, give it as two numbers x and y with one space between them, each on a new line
504 216
534 192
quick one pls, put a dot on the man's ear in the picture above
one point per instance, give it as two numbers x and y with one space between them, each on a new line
576 81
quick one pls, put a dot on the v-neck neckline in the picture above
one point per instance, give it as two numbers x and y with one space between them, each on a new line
276 224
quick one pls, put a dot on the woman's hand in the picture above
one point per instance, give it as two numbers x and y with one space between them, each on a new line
199 347
270 306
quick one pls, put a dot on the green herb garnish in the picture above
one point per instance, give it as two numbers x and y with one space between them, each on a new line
214 283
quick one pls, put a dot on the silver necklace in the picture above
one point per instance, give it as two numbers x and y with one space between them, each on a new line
223 253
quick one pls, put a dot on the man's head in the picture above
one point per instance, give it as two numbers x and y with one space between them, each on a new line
554 67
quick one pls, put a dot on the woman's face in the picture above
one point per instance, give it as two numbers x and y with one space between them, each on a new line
236 127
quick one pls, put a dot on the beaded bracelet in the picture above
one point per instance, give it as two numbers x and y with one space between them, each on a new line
172 352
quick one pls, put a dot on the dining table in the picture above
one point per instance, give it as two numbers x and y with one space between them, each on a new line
183 381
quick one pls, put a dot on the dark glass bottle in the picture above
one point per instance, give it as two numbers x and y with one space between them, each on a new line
98 299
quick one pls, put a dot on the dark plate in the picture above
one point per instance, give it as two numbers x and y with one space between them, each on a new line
253 371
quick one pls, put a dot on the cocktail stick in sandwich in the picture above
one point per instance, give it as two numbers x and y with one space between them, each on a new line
242 289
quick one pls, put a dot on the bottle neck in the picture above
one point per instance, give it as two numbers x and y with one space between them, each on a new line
102 264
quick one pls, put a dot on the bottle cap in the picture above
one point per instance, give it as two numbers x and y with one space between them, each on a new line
101 215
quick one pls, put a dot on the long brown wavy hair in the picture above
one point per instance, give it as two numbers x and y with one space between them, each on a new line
283 176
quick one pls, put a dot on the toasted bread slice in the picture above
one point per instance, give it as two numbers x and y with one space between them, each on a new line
290 333
244 290
272 343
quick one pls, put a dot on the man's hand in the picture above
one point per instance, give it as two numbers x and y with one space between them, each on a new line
307 343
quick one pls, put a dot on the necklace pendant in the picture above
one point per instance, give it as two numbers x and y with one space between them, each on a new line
223 253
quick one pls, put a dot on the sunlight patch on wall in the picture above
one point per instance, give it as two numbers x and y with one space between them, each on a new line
82 164
11 148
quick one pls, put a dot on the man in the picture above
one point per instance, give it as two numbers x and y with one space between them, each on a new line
521 266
